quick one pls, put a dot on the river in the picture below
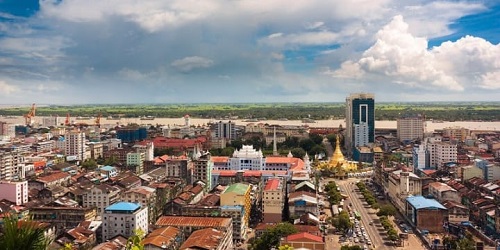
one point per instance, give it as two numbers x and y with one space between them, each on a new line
430 126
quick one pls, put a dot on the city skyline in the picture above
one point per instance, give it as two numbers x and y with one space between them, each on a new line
80 52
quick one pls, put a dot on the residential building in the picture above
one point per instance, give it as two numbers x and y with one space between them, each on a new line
421 156
51 180
411 128
146 197
441 152
123 218
163 238
238 194
15 192
442 192
202 169
273 199
457 133
360 120
237 214
207 238
135 162
101 196
402 184
96 150
188 225
425 214
62 217
457 213
469 172
74 144
300 203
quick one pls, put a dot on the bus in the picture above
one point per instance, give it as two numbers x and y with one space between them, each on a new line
357 215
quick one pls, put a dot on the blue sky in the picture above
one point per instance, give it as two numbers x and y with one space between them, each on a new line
182 51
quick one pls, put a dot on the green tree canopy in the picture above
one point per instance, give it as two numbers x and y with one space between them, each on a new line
342 222
317 139
387 210
298 152
271 237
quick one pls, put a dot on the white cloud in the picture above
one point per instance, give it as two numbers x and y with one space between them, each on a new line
7 89
190 63
300 39
403 58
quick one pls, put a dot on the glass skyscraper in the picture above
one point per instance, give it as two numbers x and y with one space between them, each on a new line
360 120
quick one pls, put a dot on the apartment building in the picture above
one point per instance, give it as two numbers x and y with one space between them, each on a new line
101 196
238 194
202 169
74 144
410 128
123 218
145 196
16 192
402 184
273 197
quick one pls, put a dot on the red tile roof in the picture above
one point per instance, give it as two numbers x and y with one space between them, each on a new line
304 236
272 184
160 236
219 159
53 177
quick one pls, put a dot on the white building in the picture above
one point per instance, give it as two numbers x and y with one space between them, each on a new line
16 192
420 156
225 130
411 128
101 196
247 158
402 184
438 151
74 144
123 218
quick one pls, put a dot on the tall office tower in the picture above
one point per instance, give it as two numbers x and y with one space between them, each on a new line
411 127
225 130
74 144
360 120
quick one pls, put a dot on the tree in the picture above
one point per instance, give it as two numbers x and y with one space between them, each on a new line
110 161
89 164
298 152
22 235
134 242
285 247
271 237
351 248
387 210
318 139
307 144
342 222
466 243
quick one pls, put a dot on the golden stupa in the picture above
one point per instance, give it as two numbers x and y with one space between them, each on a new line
337 160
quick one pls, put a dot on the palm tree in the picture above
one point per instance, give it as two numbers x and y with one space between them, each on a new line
22 235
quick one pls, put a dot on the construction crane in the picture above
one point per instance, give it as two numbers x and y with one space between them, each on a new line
67 122
30 116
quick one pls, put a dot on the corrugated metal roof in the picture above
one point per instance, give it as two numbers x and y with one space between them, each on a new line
183 221
420 202
238 188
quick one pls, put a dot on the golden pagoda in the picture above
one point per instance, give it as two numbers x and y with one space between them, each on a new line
337 160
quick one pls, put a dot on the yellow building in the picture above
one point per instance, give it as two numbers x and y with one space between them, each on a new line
235 202
338 163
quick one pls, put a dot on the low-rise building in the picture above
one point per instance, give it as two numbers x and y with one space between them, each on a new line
304 240
300 203
162 238
101 196
208 238
426 214
442 192
457 213
145 196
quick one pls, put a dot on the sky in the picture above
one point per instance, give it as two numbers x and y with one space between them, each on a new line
247 51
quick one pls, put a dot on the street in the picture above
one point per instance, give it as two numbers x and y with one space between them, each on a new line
367 214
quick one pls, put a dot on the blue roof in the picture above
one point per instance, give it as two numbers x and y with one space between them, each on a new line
108 168
123 206
419 202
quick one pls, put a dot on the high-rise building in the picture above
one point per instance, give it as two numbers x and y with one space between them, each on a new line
411 127
74 144
225 130
360 120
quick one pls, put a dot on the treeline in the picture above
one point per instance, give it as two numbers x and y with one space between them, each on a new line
290 111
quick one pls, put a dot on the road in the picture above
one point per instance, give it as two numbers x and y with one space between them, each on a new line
367 215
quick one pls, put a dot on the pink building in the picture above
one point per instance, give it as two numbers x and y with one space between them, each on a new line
16 192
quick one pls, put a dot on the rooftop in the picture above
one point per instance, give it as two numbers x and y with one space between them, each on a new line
124 206
420 202
160 236
238 188
207 238
272 185
184 221
304 236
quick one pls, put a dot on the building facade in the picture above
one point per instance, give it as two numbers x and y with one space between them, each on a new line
410 128
360 119
273 199
16 192
123 218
